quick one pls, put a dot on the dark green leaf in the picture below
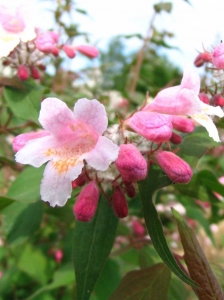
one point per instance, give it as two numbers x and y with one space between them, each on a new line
148 283
5 201
209 180
157 179
21 220
197 263
25 104
92 244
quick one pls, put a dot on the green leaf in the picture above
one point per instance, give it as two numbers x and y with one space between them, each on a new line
148 283
209 180
92 244
197 263
25 104
5 201
157 179
166 6
21 220
26 187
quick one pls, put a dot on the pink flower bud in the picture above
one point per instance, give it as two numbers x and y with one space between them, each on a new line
139 230
69 51
130 190
130 163
199 62
218 56
80 181
119 203
46 41
23 72
175 138
86 203
182 124
218 100
22 139
175 167
58 255
34 73
151 125
204 98
55 51
89 51
202 58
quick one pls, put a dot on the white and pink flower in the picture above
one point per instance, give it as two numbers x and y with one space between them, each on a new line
183 100
71 138
14 27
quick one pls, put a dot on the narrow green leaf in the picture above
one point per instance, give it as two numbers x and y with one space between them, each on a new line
148 283
92 244
25 104
197 263
26 187
209 180
157 179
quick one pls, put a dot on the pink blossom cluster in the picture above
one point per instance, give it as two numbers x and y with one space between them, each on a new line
23 47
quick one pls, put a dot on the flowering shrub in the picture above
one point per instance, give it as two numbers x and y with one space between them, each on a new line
118 170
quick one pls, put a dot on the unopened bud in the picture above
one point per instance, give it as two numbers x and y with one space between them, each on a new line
131 164
175 138
138 228
218 100
55 51
58 255
69 51
34 73
86 203
151 125
204 98
119 203
218 56
80 181
182 124
175 167
130 190
89 51
41 67
199 62
23 72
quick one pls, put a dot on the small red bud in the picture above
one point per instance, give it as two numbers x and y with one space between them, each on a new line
23 72
69 51
41 67
218 100
80 181
34 73
119 203
130 190
55 51
182 124
175 138
204 98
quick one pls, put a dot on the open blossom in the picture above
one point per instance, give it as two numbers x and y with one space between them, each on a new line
183 100
71 138
46 41
14 27
218 56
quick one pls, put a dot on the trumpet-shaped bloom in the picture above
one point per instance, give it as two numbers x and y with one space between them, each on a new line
14 27
71 138
183 100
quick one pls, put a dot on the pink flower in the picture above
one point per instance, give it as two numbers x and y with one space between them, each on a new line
175 168
89 51
131 164
218 56
183 100
14 26
73 137
86 203
46 41
151 125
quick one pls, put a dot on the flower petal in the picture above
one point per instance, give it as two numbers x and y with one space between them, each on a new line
56 187
191 80
22 139
55 115
207 122
91 112
212 110
102 155
34 152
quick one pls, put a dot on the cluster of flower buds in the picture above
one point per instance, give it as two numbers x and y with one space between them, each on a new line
23 47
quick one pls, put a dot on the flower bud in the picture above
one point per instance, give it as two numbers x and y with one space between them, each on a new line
218 100
218 56
119 203
204 98
86 203
69 51
151 125
182 124
58 255
46 41
23 72
175 138
80 181
175 167
202 58
199 62
34 73
131 164
55 51
89 51
138 228
130 190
